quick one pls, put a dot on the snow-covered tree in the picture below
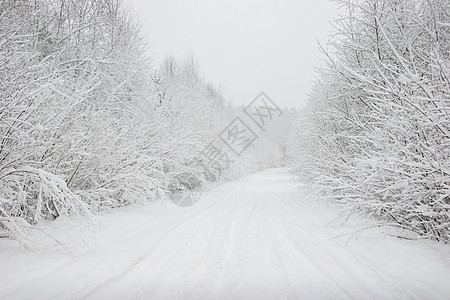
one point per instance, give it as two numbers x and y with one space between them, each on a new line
375 134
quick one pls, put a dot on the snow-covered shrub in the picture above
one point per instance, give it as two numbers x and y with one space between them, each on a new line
72 81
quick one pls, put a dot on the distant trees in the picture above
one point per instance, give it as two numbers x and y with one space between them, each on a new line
375 134
86 123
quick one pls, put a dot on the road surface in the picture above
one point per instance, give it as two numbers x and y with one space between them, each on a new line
247 239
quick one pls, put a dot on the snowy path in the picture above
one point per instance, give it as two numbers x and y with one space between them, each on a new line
248 239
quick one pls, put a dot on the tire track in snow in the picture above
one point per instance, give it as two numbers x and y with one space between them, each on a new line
206 232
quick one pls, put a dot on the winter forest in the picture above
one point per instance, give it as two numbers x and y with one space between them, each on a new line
87 124
91 126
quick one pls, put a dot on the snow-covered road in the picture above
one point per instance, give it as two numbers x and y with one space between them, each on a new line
248 239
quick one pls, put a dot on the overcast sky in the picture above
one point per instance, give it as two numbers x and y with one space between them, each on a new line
243 46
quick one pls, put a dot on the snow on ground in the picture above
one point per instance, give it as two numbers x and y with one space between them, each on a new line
255 238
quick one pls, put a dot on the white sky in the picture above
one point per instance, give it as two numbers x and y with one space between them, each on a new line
243 46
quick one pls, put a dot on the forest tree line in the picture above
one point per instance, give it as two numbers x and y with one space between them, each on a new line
87 123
